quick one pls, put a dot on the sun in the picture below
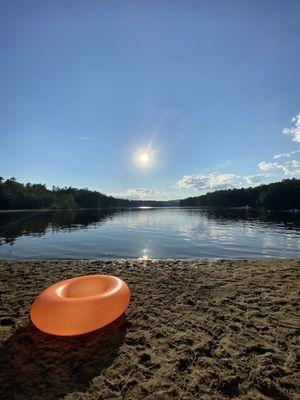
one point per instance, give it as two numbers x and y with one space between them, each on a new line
144 158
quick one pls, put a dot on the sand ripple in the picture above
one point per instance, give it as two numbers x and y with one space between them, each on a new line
193 330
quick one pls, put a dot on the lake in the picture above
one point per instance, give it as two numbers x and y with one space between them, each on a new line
149 233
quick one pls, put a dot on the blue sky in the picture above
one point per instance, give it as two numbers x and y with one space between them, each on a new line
209 88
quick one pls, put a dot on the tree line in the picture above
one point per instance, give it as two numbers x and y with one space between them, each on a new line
15 196
278 195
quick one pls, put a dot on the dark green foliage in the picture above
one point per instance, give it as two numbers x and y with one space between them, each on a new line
16 196
280 195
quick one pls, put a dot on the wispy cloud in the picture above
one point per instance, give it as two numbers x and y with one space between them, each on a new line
284 155
257 179
142 194
218 181
214 180
289 168
86 138
227 163
268 166
294 131
282 166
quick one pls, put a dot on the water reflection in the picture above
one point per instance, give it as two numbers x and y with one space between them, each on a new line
149 233
288 220
13 225
144 254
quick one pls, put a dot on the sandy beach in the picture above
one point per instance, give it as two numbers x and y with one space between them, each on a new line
193 330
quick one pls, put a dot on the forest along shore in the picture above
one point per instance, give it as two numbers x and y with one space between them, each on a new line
284 195
194 329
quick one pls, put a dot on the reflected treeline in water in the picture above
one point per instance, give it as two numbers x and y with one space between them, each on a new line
149 233
286 219
16 224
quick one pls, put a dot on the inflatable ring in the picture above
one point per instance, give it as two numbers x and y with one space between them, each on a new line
80 305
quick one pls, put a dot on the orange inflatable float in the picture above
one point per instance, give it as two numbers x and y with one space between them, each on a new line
80 305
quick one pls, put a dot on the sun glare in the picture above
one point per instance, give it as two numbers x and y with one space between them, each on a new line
144 158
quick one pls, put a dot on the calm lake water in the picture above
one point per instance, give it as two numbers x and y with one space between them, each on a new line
149 233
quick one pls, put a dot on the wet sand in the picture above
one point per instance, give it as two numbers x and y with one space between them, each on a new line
193 330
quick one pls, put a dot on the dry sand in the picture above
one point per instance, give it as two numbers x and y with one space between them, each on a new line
193 330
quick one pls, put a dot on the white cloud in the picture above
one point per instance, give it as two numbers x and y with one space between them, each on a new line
214 180
255 180
142 194
289 168
281 155
267 166
218 181
294 131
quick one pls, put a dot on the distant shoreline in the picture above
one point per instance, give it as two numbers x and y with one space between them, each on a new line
15 195
295 211
62 209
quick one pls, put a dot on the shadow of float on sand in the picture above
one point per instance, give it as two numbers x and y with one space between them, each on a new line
38 366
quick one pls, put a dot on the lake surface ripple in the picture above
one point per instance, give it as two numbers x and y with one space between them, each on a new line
149 233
